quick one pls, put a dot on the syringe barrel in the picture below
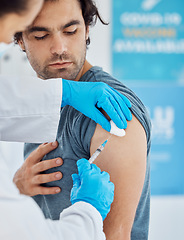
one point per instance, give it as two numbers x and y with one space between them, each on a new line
94 156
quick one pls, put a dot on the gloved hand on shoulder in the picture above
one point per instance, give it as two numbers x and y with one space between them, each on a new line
89 97
92 186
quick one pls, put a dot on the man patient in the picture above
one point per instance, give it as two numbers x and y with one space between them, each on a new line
56 45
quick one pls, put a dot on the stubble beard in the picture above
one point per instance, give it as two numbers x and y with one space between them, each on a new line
70 73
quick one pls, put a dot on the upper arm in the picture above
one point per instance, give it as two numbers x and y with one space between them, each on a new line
125 160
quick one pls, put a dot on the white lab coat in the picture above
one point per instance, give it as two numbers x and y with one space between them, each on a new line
30 116
29 109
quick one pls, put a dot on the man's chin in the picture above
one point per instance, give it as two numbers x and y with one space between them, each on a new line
50 75
57 73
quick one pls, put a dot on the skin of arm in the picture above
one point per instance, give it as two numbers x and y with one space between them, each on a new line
124 158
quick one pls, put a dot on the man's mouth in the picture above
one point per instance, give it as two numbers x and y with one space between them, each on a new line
59 65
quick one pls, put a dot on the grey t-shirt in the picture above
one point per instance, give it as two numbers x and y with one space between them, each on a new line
74 137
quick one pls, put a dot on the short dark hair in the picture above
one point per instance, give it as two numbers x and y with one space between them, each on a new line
13 6
90 14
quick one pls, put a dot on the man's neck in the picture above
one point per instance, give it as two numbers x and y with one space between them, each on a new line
84 69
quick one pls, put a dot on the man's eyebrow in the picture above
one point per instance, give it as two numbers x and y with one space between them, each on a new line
73 22
37 29
44 29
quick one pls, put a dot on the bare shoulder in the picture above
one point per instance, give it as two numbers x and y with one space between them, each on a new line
124 148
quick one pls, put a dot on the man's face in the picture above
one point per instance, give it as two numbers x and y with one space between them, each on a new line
56 42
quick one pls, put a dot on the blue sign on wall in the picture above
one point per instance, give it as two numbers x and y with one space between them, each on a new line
166 106
148 48
148 40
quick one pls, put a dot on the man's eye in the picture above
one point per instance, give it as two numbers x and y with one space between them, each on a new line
41 38
71 32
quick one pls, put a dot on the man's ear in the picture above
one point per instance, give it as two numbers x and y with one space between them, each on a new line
21 44
87 32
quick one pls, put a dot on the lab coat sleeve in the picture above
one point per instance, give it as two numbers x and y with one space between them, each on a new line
80 221
29 109
21 218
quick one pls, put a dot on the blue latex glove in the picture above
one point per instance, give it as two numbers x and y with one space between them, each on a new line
87 97
92 186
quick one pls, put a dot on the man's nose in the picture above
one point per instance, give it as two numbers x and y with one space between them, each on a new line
58 45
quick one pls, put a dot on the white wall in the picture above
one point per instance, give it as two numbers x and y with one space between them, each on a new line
167 213
167 218
99 50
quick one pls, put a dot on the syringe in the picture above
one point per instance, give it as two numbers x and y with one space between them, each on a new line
98 151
